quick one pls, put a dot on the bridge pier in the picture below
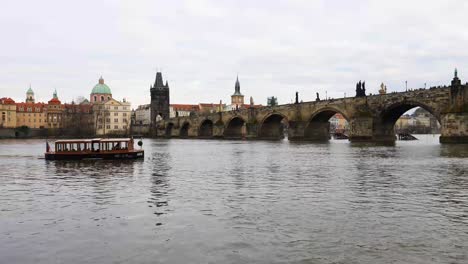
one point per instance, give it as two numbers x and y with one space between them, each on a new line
251 130
317 131
454 128
218 130
361 129
296 130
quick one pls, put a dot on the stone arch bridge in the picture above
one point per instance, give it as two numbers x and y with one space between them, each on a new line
370 118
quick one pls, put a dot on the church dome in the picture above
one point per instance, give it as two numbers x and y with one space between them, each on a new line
101 88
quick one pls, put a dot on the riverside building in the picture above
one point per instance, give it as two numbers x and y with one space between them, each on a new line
111 117
7 112
31 114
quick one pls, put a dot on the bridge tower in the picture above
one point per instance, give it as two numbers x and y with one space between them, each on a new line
159 100
455 118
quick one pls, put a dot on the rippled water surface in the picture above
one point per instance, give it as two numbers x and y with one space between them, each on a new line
197 201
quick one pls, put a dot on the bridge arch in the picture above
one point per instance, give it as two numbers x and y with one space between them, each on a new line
235 128
392 113
272 126
184 130
206 129
169 127
318 127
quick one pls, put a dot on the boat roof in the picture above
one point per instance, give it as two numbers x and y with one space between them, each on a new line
115 139
93 140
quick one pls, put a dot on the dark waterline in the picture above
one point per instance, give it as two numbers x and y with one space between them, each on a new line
209 201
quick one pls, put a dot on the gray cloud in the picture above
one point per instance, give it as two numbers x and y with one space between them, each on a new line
276 47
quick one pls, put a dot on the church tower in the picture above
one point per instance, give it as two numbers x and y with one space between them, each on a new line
237 99
159 99
458 92
30 95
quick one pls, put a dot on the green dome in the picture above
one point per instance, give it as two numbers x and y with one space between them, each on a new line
101 88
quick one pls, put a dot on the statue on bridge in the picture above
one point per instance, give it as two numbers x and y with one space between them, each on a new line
383 89
318 98
297 98
361 89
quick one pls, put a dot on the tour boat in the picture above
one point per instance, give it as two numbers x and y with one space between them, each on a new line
97 148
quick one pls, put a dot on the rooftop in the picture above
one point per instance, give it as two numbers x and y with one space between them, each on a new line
101 88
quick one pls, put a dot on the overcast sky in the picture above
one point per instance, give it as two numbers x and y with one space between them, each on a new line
276 47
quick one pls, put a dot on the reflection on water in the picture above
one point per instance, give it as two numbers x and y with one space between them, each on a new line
207 201
160 187
454 151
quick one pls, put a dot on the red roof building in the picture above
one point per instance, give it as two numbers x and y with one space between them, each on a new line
32 115
7 113
7 101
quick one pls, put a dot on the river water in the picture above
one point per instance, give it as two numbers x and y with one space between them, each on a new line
209 201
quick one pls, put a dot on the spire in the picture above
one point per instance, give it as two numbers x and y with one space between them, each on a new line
158 83
167 85
55 94
237 87
101 80
456 73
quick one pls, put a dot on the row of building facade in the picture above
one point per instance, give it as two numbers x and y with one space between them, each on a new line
100 115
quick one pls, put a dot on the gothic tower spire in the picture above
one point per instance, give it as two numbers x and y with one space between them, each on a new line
158 83
237 86
237 99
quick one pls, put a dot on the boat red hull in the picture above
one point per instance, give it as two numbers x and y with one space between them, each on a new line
136 154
